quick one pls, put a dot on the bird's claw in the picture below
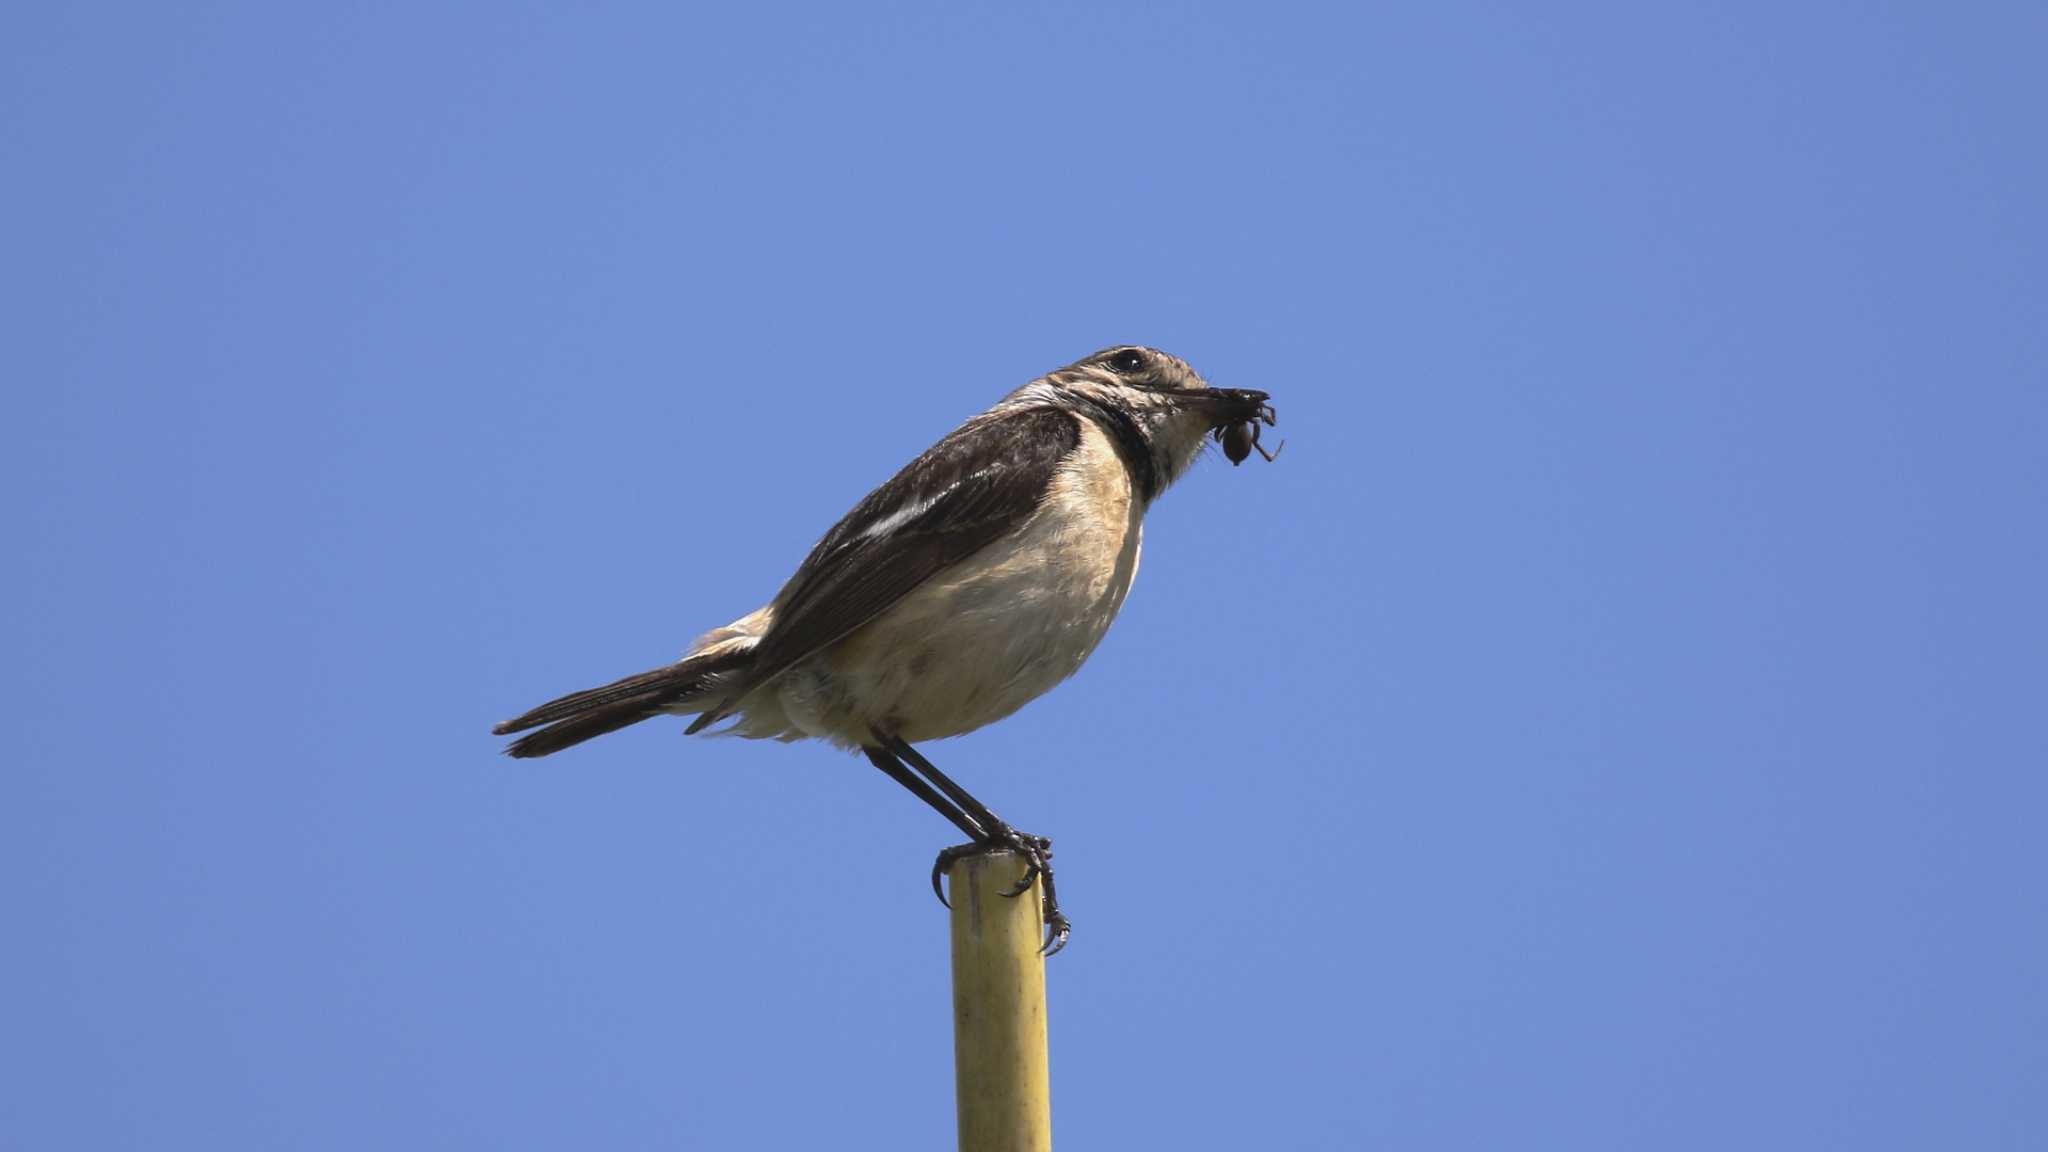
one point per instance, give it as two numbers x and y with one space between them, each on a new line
1037 854
948 857
1057 929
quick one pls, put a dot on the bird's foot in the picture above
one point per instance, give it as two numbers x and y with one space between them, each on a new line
1036 850
1037 854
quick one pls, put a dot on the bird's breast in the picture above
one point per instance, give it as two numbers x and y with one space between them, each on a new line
986 636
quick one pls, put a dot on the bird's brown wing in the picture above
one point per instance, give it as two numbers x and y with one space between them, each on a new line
962 494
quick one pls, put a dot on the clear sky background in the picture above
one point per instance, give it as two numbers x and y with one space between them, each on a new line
1615 723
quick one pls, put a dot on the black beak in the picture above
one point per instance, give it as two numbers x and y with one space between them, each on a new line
1228 406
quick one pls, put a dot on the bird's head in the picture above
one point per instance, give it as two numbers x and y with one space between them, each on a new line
1166 402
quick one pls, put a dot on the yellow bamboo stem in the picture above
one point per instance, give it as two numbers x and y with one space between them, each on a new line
1002 1086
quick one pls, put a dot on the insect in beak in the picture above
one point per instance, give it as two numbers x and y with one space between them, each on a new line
1239 439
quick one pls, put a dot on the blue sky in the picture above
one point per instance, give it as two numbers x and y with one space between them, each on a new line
1616 722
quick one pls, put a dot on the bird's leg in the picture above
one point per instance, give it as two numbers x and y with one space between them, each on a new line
983 840
886 760
996 835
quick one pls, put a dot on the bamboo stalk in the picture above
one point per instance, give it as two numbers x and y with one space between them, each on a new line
1001 1081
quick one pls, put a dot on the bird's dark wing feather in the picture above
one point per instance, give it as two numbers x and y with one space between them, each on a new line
962 494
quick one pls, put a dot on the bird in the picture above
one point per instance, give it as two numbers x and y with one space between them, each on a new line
977 578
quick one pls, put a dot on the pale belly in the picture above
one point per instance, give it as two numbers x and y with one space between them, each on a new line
986 637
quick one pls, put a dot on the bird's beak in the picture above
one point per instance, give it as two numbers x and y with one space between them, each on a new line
1227 406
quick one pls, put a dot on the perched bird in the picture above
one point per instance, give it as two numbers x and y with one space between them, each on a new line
977 578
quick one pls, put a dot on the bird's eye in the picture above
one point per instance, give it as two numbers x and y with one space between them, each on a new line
1127 361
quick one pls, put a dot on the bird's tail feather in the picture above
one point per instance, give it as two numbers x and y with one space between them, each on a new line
593 712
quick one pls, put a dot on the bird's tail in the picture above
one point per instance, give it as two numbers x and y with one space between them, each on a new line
593 712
